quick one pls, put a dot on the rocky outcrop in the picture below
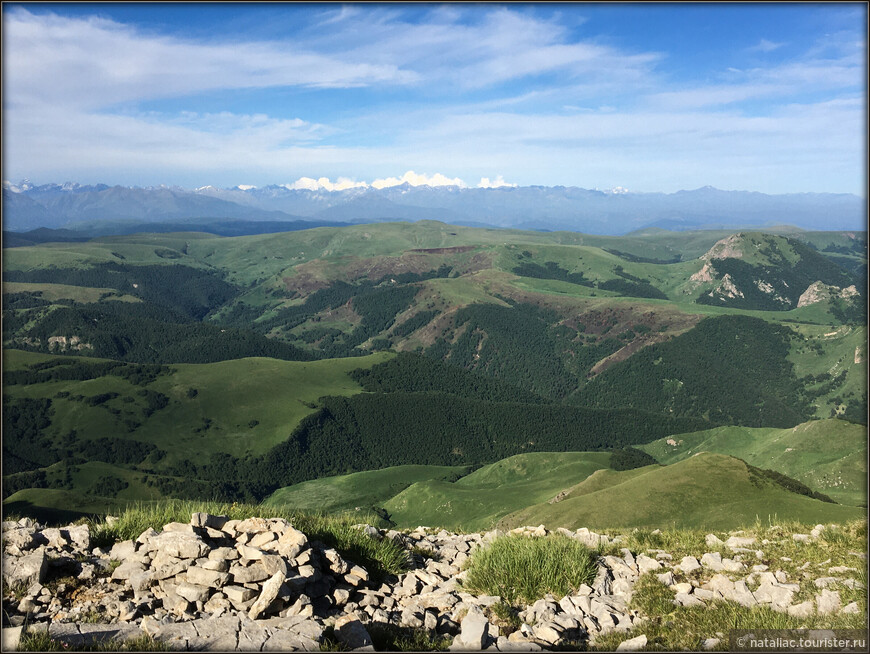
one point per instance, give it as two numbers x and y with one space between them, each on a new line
63 344
261 584
730 247
820 292
257 584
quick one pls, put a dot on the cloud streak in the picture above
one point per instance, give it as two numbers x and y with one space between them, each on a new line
365 93
94 62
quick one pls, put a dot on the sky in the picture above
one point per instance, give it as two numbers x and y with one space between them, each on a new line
648 97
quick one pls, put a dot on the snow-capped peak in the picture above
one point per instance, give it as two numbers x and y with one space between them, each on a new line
20 187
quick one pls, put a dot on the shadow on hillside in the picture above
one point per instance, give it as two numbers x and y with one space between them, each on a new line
42 514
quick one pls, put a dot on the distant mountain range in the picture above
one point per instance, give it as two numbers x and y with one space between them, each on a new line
115 209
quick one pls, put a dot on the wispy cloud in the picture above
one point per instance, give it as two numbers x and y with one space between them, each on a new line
465 90
809 74
765 46
94 62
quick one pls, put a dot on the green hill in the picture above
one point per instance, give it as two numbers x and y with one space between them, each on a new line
238 407
710 491
829 456
359 490
478 500
204 366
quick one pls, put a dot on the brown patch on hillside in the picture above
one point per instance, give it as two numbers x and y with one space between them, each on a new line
319 273
673 324
417 261
621 355
303 283
428 334
454 250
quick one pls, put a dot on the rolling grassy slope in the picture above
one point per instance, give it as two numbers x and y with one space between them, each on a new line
478 500
359 490
509 304
839 355
712 491
54 292
829 456
63 506
229 395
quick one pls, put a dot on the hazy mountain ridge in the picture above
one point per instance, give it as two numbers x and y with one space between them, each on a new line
26 206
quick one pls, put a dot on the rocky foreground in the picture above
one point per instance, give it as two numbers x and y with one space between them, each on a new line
260 584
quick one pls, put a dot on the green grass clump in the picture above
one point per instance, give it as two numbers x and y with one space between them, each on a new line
527 568
393 638
379 557
40 641
505 616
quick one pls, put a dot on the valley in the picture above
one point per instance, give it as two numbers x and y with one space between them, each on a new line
439 374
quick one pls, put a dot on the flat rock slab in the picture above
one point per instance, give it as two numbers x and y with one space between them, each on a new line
10 638
219 634
27 570
80 635
238 633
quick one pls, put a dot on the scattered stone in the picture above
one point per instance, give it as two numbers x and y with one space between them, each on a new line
684 599
689 564
739 541
259 584
667 578
25 570
712 560
475 630
351 632
828 602
646 564
712 540
779 595
802 610
632 644
10 638
710 643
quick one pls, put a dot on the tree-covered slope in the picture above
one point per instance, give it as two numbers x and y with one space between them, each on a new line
729 370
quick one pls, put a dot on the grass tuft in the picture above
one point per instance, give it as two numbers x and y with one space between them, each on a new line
40 641
393 638
527 568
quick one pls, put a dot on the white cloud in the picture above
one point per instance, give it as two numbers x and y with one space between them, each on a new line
414 179
805 75
482 46
498 182
73 88
94 62
323 183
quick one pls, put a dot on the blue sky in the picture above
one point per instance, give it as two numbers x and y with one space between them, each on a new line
652 97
